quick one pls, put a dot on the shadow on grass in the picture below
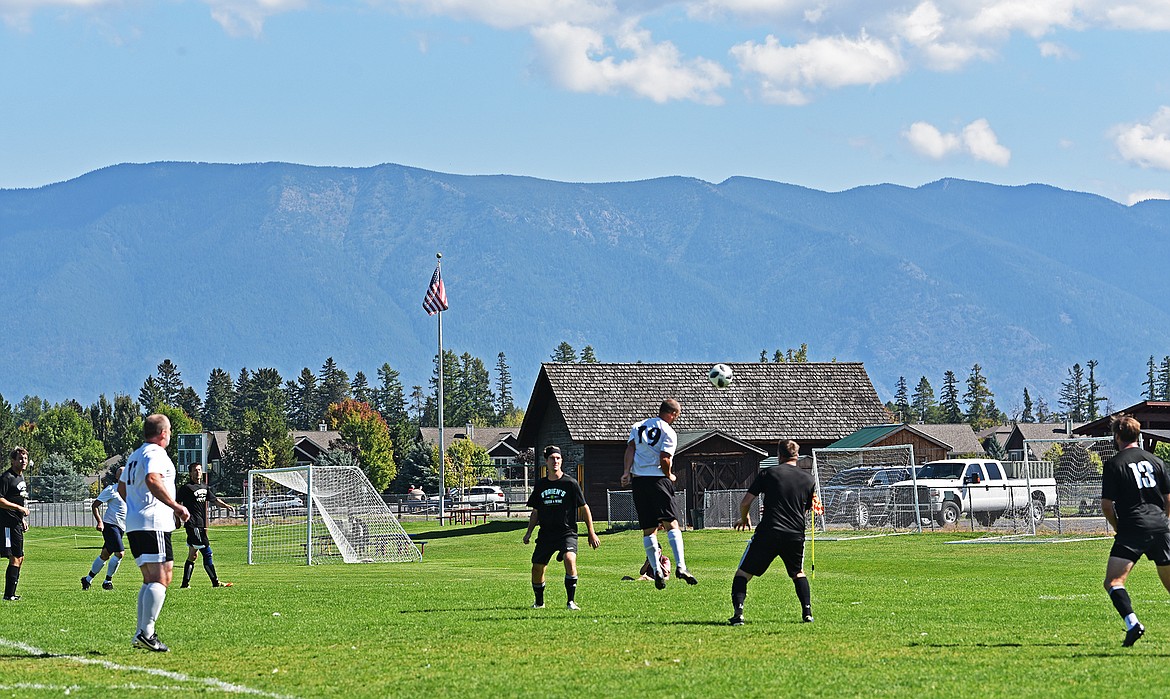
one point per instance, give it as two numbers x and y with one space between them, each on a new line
447 532
1007 644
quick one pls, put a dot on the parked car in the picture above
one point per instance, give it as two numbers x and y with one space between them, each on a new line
861 496
276 506
488 497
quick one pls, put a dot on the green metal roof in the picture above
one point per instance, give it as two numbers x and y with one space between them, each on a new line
863 437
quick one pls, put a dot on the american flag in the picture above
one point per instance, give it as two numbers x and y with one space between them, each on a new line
436 298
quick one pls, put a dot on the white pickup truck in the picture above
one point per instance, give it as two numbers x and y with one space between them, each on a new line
950 489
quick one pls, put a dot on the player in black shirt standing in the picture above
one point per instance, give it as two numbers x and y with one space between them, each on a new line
196 496
13 522
788 496
1135 498
555 501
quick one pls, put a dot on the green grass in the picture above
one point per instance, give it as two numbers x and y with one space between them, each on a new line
895 617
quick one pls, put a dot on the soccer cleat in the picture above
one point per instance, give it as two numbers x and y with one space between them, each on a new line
1133 635
222 583
736 620
538 606
152 643
11 598
806 619
85 583
572 606
685 575
108 585
659 581
185 587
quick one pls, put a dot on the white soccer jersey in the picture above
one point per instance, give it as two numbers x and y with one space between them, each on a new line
651 438
145 512
115 506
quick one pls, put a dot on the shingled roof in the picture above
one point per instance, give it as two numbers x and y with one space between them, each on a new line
765 402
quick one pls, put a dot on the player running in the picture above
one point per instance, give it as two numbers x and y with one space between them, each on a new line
649 452
197 496
1135 498
112 524
555 501
788 496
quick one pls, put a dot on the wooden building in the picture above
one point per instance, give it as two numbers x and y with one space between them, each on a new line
1023 431
588 410
930 442
1154 416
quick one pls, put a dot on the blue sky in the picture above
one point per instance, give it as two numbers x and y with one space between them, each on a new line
829 95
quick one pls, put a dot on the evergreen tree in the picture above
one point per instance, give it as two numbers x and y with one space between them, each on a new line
1164 379
8 426
476 404
922 402
262 437
266 387
777 356
389 396
504 404
333 385
1151 382
565 354
169 381
1042 414
219 401
763 356
417 403
901 401
359 388
587 355
241 393
190 402
1074 394
1027 415
452 380
978 399
949 405
150 396
126 429
302 401
101 418
1093 399
30 409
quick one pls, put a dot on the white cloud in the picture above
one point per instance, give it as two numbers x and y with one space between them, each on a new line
927 140
1146 195
1148 144
247 17
1051 49
832 62
519 14
977 140
579 59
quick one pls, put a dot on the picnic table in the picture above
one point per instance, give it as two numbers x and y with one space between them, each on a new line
465 515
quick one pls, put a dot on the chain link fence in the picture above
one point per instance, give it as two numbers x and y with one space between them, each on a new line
622 515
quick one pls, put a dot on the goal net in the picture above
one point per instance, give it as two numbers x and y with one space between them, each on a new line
1076 466
321 514
868 491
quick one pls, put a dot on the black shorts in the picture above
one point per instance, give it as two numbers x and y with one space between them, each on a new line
112 538
765 546
197 538
12 541
545 548
653 500
150 546
1155 546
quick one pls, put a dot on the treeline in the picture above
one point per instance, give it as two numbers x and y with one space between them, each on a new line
378 421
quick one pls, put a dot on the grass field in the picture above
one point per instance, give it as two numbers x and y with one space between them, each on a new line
895 617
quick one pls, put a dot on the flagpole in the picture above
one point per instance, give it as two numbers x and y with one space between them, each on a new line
442 450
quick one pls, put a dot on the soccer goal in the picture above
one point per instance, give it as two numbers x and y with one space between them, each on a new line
867 491
321 514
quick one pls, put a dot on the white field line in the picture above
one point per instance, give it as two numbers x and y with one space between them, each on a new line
211 682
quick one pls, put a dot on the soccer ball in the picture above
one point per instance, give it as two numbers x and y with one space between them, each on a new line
720 376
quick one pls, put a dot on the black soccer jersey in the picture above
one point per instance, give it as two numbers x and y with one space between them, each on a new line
1136 481
556 504
788 493
195 497
14 490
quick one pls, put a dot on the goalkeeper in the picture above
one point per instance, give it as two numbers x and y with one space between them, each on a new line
788 496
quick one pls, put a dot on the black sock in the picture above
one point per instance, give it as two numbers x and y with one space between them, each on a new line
188 569
11 577
804 594
209 566
1121 601
538 590
571 586
738 593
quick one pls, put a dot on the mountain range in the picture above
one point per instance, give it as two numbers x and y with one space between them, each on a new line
281 265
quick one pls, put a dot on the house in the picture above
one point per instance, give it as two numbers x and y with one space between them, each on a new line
930 442
588 410
1154 416
500 442
994 438
308 445
1023 431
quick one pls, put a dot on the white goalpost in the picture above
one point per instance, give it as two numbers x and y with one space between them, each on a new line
867 491
321 514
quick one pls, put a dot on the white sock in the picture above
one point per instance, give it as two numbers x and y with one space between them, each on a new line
153 597
650 543
674 536
1130 621
112 567
97 565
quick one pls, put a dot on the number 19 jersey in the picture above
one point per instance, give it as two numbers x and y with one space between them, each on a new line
651 437
1136 481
